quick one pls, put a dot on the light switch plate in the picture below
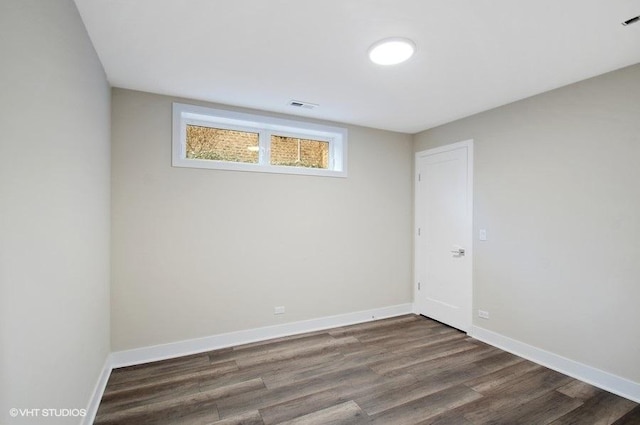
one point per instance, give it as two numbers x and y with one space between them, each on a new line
482 234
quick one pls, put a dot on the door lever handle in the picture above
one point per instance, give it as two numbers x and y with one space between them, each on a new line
459 251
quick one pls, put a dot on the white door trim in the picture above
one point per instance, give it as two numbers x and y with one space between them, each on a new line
469 251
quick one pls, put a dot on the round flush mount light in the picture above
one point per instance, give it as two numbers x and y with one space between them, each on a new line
391 51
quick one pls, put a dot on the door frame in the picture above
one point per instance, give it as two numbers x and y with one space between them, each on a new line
469 250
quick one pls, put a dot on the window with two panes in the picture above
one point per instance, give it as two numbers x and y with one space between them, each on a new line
210 138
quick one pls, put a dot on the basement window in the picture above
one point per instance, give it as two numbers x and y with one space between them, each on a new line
228 140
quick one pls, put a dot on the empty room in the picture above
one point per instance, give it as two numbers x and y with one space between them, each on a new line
263 212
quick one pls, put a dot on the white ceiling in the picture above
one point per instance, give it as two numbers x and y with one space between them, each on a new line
472 55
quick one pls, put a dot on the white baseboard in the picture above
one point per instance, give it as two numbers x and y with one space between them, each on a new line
214 342
98 390
599 378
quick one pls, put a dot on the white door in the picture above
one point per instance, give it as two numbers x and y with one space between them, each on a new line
443 214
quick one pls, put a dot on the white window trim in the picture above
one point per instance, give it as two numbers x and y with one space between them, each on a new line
184 114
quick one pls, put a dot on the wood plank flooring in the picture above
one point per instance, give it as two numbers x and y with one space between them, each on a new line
405 370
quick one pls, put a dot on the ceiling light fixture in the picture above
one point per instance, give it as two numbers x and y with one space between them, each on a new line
391 51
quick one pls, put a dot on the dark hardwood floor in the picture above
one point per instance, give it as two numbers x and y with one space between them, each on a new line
405 370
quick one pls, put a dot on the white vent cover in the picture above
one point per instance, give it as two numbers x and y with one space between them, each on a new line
305 105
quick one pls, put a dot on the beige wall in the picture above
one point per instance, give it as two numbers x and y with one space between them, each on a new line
54 210
201 252
557 186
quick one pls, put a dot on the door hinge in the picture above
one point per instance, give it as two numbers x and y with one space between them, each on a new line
418 231
418 286
419 177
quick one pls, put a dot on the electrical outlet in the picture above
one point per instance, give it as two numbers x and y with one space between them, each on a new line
483 314
278 310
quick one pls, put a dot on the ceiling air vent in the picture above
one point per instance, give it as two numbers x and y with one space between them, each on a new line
631 21
305 105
